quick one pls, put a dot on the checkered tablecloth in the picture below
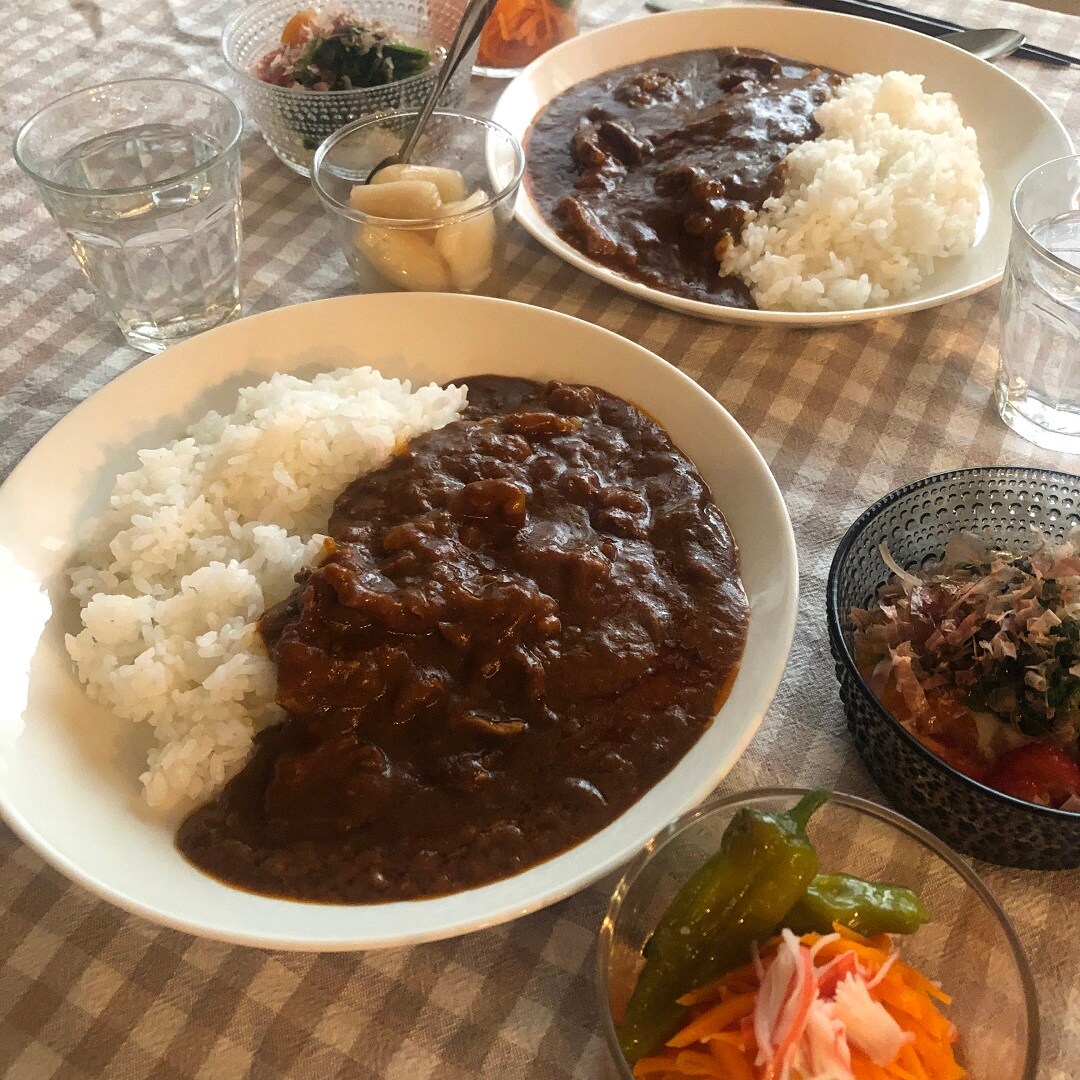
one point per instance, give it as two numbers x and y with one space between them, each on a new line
843 416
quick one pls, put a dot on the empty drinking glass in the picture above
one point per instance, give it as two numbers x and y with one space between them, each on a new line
1038 382
143 176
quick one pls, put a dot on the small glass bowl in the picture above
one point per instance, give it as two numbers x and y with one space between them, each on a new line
1002 505
459 253
969 946
295 121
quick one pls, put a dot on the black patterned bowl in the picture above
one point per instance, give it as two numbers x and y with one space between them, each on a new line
1009 507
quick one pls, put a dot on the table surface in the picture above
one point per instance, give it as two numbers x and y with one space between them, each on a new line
843 416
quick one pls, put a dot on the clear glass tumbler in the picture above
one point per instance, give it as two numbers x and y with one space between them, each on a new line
1038 381
143 176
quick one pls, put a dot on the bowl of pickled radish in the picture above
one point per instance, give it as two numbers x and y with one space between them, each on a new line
784 934
436 224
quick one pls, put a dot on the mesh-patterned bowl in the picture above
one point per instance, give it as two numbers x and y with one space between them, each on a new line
293 122
1008 507
969 945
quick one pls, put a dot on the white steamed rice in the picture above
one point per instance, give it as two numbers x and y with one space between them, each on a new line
206 534
891 184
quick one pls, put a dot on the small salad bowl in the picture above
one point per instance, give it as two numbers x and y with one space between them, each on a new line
968 946
294 121
1010 508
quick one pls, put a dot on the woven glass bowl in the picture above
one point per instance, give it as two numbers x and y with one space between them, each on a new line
294 122
1009 507
969 946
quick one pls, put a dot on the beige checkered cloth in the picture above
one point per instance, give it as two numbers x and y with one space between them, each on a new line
843 416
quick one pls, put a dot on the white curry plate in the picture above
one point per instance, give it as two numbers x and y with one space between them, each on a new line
69 769
1016 131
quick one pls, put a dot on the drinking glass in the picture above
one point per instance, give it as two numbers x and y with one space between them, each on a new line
1038 381
143 176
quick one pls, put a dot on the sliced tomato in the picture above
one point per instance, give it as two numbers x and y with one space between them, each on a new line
1038 773
295 30
961 762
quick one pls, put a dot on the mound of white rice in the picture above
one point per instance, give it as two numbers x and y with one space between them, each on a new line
206 534
891 184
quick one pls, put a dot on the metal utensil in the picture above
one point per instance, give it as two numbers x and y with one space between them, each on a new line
924 24
986 44
990 44
472 22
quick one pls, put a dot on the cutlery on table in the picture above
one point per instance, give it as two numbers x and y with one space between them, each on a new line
472 23
985 47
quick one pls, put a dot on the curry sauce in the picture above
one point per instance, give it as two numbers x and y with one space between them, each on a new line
520 625
653 169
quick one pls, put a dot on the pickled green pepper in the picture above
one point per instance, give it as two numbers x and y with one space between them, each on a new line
763 867
867 907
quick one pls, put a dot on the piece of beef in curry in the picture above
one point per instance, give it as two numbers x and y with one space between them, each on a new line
653 168
525 620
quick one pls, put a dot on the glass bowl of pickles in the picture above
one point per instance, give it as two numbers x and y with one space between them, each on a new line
784 934
436 224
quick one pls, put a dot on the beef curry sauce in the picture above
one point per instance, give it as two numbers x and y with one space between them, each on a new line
652 169
520 624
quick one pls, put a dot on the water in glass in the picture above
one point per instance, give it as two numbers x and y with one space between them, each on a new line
1038 383
164 255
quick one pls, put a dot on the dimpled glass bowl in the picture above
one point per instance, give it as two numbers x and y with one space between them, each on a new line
295 122
1009 507
969 946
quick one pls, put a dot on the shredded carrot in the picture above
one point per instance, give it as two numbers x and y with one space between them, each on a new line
733 983
658 1065
729 1037
715 1020
520 30
718 1041
733 1063
695 1063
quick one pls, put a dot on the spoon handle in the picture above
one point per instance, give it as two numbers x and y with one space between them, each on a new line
986 44
472 22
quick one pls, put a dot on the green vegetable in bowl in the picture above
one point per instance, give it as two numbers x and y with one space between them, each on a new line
764 879
763 867
358 58
336 51
867 907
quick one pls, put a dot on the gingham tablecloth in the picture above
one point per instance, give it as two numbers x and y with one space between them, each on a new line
843 416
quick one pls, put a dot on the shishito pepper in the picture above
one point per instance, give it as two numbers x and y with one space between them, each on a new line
763 867
867 907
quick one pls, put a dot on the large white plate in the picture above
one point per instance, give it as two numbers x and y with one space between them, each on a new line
68 778
1016 131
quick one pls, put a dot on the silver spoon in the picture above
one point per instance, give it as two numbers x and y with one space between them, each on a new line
985 44
472 22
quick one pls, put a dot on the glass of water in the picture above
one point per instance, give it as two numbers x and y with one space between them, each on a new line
143 176
1038 382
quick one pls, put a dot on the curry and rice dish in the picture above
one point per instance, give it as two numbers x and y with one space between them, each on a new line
741 178
664 162
525 611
